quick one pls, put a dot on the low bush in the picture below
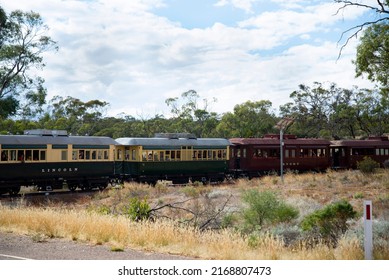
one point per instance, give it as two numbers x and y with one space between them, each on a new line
138 210
265 207
367 165
328 224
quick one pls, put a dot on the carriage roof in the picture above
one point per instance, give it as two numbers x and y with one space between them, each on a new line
54 140
175 142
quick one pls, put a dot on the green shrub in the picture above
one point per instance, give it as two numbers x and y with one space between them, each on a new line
265 207
329 223
138 210
367 165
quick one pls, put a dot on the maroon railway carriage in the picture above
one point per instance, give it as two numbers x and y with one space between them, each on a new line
346 153
254 157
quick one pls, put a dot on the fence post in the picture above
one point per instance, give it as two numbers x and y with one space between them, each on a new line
368 226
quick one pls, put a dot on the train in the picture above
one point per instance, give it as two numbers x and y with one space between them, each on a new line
52 159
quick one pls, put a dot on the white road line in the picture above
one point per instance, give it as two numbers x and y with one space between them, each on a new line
15 257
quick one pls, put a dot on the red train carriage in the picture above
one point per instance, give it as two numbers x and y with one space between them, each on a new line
254 157
346 153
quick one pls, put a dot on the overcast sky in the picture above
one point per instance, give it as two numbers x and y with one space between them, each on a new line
135 54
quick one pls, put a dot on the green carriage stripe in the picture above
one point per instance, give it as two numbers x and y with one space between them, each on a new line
90 146
13 146
60 146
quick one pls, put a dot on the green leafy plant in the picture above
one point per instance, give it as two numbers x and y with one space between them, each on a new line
265 207
329 223
367 165
138 210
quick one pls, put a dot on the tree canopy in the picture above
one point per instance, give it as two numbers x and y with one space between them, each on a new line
373 54
23 41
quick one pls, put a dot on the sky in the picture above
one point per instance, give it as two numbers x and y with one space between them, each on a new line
135 54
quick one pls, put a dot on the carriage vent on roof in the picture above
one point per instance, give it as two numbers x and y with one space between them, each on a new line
175 135
46 132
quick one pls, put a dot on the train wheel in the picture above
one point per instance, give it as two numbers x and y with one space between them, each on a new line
72 187
86 187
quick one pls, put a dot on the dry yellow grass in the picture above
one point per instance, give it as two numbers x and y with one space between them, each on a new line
165 237
305 191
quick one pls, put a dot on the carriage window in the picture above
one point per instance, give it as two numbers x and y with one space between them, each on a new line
106 154
127 153
12 155
28 155
20 155
42 155
81 154
35 155
100 155
64 155
133 154
292 153
4 156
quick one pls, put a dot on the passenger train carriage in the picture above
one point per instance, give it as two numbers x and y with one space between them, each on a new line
346 153
253 157
52 159
48 159
175 157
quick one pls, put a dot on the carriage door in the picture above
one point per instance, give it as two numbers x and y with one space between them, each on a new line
186 152
339 158
237 158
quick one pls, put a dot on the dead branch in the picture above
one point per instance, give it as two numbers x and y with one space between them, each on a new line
201 218
380 9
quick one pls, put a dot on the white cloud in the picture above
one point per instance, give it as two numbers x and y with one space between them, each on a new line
121 52
245 5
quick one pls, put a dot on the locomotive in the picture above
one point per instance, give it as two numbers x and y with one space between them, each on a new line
52 159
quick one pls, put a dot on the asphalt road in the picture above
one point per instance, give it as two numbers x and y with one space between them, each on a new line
21 247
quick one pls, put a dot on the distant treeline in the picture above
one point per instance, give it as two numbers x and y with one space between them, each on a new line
320 110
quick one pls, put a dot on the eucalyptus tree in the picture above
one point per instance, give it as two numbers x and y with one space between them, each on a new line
191 115
75 116
373 54
23 41
249 119
332 112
